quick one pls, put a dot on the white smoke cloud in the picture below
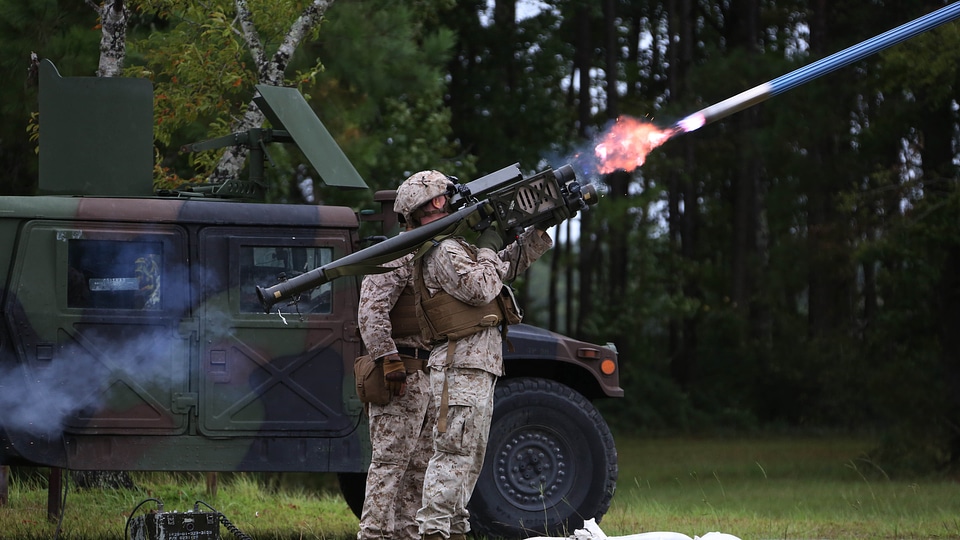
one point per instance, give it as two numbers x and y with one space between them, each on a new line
84 376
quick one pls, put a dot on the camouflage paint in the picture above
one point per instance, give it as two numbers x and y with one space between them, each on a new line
199 384
196 385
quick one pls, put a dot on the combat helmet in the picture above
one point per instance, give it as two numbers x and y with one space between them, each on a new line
419 189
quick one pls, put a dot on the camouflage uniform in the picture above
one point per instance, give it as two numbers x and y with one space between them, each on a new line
477 363
399 431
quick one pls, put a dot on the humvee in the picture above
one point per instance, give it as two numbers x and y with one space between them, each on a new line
133 338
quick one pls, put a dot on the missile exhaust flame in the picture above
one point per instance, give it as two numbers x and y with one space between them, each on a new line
628 142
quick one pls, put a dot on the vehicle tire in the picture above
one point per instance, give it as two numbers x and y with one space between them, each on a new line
551 462
352 487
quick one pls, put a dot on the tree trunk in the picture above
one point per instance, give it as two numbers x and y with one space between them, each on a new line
941 173
611 57
742 34
270 71
568 264
619 223
552 297
582 62
948 317
830 275
683 192
114 15
4 484
748 255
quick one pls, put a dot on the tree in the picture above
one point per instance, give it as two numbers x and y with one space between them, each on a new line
386 92
205 65
47 30
505 90
212 54
113 15
909 336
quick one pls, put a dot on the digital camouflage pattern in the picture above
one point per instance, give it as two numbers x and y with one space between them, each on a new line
473 276
400 432
378 295
453 469
401 437
417 189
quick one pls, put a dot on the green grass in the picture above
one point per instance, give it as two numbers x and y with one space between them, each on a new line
771 488
285 513
788 487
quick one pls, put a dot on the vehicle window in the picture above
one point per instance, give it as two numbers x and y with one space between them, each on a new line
265 265
111 274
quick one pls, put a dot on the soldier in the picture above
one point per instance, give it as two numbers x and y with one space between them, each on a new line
400 431
458 291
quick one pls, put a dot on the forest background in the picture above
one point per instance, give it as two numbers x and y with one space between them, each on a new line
795 266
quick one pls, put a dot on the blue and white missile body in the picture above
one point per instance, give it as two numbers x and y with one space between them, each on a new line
819 68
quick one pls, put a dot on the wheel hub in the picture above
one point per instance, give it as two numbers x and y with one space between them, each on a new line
532 469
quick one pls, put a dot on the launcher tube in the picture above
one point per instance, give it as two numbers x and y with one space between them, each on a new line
384 251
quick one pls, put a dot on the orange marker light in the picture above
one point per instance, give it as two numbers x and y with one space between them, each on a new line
608 366
588 354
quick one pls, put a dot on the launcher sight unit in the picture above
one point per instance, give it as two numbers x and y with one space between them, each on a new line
516 202
505 197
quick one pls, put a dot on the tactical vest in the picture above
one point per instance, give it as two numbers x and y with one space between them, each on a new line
445 318
403 316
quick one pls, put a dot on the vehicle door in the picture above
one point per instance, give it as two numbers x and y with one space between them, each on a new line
99 311
287 373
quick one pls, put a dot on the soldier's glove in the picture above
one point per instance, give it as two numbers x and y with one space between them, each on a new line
394 374
491 238
557 216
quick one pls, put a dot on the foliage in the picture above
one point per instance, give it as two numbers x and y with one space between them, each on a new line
50 30
203 71
794 316
368 92
506 87
384 94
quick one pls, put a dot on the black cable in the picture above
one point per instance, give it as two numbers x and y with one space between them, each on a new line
226 522
516 261
126 528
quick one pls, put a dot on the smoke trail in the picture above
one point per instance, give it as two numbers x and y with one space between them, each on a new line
82 379
135 366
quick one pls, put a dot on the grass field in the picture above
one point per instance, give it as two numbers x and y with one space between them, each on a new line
774 488
777 488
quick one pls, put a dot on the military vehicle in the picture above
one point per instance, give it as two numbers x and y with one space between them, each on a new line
133 338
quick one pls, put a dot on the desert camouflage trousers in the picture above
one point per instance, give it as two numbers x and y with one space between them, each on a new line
458 453
402 441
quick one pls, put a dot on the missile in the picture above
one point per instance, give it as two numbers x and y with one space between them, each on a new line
821 67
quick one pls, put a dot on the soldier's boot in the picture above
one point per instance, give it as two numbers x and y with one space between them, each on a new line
458 536
432 536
